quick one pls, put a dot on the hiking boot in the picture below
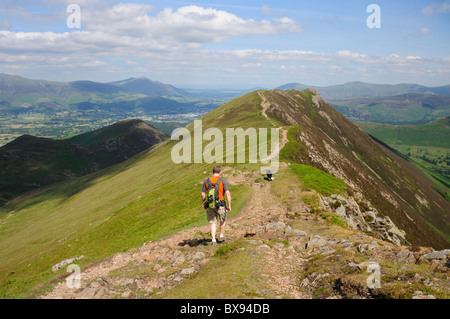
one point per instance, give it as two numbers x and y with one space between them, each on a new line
221 240
213 242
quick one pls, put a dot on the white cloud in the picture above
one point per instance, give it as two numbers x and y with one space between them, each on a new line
436 8
134 40
422 33
189 24
5 25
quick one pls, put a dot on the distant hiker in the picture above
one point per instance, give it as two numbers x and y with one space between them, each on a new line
213 191
269 176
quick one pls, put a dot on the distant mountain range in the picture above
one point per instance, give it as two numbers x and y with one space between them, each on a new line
134 95
361 89
359 101
145 86
29 162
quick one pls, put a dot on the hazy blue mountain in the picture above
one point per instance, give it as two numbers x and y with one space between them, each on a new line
362 89
146 86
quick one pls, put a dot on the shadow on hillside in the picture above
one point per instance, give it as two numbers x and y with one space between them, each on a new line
65 190
194 242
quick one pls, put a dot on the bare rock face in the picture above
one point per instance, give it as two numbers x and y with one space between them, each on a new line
362 216
440 258
405 257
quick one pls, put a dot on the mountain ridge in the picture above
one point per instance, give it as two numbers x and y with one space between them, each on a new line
363 89
131 204
29 162
143 85
337 146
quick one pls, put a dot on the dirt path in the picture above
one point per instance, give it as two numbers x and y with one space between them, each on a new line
187 252
265 104
266 219
260 210
299 256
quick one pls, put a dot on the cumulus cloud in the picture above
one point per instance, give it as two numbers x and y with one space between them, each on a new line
133 39
132 28
189 24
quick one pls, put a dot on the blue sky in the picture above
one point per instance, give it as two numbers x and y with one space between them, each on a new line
228 43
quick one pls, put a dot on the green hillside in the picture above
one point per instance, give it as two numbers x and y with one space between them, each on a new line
109 211
149 197
115 131
432 134
332 143
427 146
410 108
30 162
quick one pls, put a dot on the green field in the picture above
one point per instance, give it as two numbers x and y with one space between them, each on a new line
410 108
426 146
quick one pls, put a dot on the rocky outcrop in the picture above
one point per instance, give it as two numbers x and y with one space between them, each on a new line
440 258
360 215
294 255
65 262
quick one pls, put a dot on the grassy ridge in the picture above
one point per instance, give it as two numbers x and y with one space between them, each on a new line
30 162
121 207
313 178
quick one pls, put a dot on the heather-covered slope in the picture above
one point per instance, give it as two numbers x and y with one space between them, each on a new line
322 137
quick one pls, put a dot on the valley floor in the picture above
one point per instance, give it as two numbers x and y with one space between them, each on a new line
273 249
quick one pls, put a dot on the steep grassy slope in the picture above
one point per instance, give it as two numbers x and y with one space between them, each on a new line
149 197
128 129
124 206
324 138
30 162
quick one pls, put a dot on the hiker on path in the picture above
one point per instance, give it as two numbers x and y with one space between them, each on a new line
213 191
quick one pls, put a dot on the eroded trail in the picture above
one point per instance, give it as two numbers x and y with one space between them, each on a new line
297 254
294 254
265 104
176 257
168 262
168 255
